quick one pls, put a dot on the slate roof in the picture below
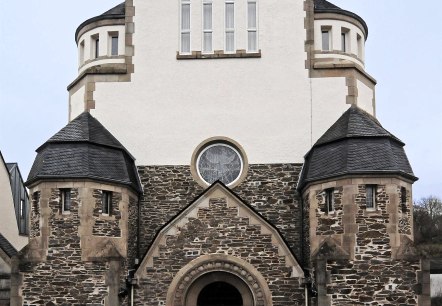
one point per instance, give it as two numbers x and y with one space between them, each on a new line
324 6
356 144
117 12
7 247
84 149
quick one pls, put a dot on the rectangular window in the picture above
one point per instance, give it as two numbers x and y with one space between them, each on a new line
95 46
185 26
329 200
22 209
230 26
65 195
370 197
114 44
81 52
106 200
252 33
207 26
345 40
359 42
404 199
325 39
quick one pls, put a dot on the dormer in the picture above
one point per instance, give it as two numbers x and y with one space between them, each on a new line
339 36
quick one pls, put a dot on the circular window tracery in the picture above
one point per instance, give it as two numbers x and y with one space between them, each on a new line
219 159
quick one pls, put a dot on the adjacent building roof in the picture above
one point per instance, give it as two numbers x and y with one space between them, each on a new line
323 6
356 144
7 247
84 149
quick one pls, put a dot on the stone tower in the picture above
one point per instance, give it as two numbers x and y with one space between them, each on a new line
356 187
83 187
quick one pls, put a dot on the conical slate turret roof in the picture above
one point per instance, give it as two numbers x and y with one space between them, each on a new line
356 144
84 149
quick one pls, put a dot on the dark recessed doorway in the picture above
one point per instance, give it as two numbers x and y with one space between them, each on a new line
219 294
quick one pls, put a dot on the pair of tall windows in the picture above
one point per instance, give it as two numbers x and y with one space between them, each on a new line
326 38
207 26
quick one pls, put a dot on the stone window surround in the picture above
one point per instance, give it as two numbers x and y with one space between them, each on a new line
211 141
63 202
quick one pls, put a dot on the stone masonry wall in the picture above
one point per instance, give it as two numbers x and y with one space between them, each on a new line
109 225
218 229
270 189
63 278
35 215
329 223
373 278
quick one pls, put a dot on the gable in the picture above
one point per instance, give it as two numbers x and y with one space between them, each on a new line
219 222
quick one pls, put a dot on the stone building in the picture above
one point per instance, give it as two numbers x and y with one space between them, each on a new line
221 153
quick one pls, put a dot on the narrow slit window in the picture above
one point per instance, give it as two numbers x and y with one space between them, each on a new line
329 200
207 27
22 209
97 48
230 26
252 32
370 197
325 40
345 41
185 27
404 199
106 200
81 52
114 45
359 42
65 195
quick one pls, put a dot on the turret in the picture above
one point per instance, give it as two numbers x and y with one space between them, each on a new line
83 187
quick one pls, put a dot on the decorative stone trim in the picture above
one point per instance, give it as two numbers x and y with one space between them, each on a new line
97 24
338 52
190 273
218 54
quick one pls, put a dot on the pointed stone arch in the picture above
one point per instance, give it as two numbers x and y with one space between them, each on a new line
189 281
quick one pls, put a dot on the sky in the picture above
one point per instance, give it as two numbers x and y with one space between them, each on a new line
403 53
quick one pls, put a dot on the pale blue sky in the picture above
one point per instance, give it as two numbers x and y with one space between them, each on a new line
39 59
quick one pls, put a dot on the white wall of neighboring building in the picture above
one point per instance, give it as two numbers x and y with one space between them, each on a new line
8 222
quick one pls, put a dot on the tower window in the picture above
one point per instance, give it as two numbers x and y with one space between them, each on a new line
207 26
370 197
81 52
404 199
65 195
185 26
359 42
252 37
345 41
113 44
325 35
230 26
95 46
329 200
106 201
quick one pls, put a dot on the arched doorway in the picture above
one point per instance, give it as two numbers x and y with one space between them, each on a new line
219 294
219 289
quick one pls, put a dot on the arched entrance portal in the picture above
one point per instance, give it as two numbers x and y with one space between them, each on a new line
219 294
219 289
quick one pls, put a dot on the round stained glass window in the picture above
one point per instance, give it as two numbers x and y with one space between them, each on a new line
219 162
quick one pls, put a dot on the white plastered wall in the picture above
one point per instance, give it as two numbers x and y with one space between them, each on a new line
365 97
328 93
76 102
8 222
170 106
